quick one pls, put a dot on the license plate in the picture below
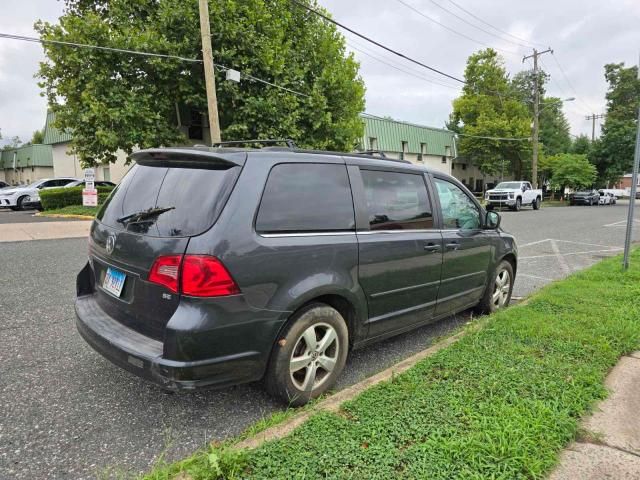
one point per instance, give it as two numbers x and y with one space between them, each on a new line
114 281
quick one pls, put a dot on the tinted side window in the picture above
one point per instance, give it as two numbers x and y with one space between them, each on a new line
458 210
307 197
396 201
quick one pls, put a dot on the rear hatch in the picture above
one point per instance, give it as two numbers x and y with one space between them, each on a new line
166 198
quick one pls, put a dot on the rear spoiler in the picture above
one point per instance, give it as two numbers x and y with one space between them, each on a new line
189 158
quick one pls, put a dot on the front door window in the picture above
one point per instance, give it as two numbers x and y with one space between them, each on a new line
458 210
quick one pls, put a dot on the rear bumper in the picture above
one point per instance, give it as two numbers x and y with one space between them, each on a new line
143 355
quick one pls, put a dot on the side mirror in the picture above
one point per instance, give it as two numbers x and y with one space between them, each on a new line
523 188
492 220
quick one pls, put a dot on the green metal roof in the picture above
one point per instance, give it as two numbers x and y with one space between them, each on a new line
51 134
391 133
28 156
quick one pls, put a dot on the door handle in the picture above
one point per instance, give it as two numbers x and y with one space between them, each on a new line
453 246
432 247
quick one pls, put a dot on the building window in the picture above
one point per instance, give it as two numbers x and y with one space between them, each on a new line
444 160
464 166
453 165
106 174
373 143
423 152
405 149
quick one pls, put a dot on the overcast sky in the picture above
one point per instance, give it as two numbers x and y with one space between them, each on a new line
585 34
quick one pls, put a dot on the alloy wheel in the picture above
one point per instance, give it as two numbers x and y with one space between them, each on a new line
501 289
314 356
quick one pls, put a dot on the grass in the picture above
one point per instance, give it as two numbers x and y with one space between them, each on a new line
72 210
500 403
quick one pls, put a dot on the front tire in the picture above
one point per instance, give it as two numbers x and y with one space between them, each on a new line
20 202
518 204
309 355
498 292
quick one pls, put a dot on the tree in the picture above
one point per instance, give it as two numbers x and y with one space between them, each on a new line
487 109
569 170
14 142
554 131
114 100
614 154
38 137
581 145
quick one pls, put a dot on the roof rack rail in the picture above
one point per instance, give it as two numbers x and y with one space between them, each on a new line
269 141
374 152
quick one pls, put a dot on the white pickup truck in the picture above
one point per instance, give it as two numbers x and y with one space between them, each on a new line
513 195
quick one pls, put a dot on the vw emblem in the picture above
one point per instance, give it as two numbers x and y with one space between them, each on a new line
111 243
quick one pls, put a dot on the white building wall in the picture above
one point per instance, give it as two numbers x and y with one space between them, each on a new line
66 164
27 175
432 162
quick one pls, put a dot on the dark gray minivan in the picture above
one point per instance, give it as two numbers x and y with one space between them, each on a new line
216 266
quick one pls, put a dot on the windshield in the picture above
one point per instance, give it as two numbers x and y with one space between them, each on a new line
509 185
168 201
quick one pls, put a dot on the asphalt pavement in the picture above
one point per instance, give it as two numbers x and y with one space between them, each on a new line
66 413
24 216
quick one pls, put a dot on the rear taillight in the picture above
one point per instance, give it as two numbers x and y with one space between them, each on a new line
204 276
198 275
165 271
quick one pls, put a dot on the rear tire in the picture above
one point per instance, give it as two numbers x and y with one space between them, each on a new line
536 204
308 356
498 291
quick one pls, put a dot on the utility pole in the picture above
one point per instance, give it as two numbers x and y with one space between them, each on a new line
209 73
634 189
593 117
536 114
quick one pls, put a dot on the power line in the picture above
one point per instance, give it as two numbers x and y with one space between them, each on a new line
145 54
571 84
408 72
510 139
378 44
453 30
477 27
493 26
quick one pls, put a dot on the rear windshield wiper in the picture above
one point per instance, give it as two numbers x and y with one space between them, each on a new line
144 214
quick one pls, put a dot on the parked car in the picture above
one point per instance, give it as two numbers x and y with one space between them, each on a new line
34 200
4 185
584 197
606 198
97 183
211 267
513 195
17 198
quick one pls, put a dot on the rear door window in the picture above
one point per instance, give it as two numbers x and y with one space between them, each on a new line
306 197
396 201
195 197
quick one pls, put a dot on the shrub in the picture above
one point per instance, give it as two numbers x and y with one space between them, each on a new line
63 197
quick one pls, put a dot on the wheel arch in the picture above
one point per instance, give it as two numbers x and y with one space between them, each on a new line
511 258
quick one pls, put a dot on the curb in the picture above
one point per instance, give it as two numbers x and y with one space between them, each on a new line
63 215
333 403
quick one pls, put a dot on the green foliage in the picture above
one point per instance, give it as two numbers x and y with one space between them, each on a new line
554 127
55 198
487 108
569 170
14 142
500 403
117 101
38 137
614 154
581 145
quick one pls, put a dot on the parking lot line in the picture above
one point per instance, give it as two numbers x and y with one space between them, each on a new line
611 250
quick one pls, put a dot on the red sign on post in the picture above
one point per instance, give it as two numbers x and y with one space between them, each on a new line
90 197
